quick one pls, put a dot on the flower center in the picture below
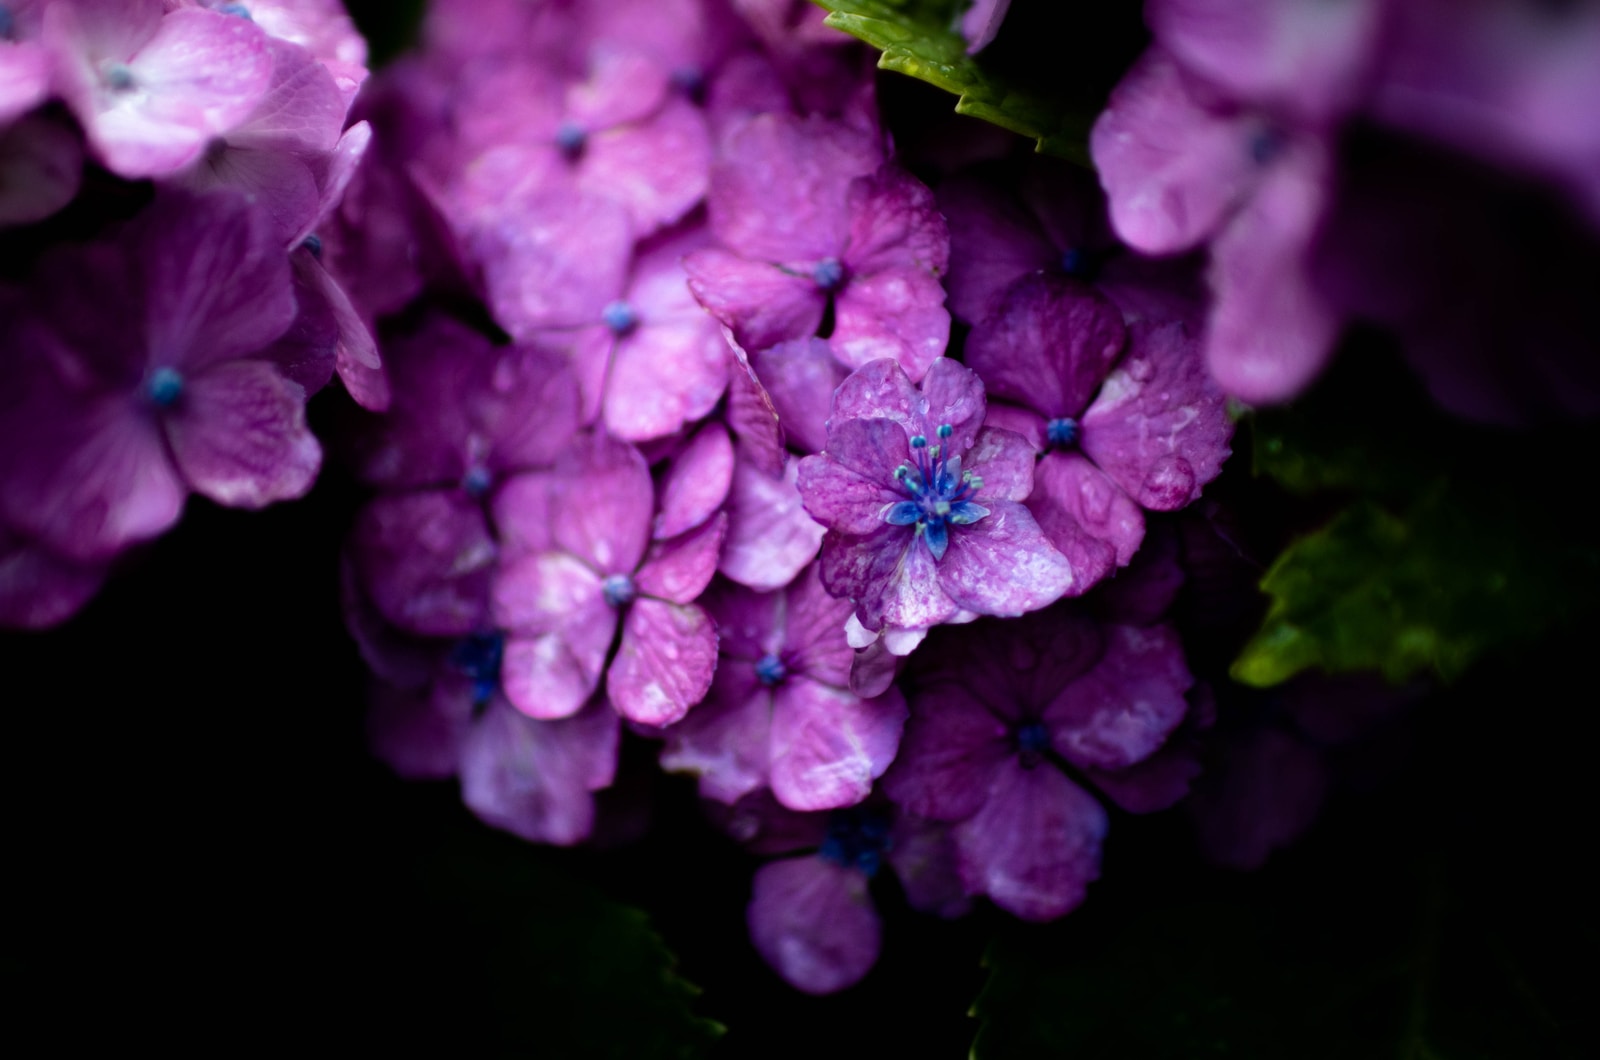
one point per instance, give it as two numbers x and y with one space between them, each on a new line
770 670
571 138
828 274
8 22
313 243
940 494
618 590
477 480
119 77
1062 432
237 10
478 656
857 838
620 317
1032 740
164 387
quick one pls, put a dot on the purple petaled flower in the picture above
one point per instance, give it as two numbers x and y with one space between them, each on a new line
586 569
811 916
812 217
981 23
780 712
1008 718
923 503
1118 431
148 372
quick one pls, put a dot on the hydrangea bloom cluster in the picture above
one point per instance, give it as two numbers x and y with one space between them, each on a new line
680 449
201 146
1227 133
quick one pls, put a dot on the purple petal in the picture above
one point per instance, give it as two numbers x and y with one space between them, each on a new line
1048 344
356 354
1265 791
749 624
520 511
24 78
280 184
603 504
396 658
814 621
679 570
752 417
697 482
1034 847
778 192
664 376
306 353
658 170
770 535
951 393
993 243
406 733
561 629
240 436
814 923
1160 781
665 662
619 86
41 166
1303 56
724 741
1086 516
1003 564
302 111
951 752
873 669
981 23
534 778
891 576
1160 427
1123 710
1172 166
761 304
1271 330
895 224
896 313
38 589
1143 593
425 560
1004 461
828 746
801 376
848 487
924 857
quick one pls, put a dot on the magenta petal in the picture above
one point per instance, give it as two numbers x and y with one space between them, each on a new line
895 224
1047 344
770 535
895 313
873 669
890 574
665 662
697 482
848 487
356 355
1172 168
753 418
38 589
534 778
1086 516
1034 847
603 504
302 111
1003 460
520 511
1120 712
24 78
981 23
679 570
561 630
724 741
760 303
664 376
406 733
240 436
658 169
619 86
829 746
949 755
950 394
814 923
280 183
1271 330
1160 427
425 560
993 243
801 376
1003 564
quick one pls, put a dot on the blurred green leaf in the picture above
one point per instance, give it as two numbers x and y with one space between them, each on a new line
919 38
565 971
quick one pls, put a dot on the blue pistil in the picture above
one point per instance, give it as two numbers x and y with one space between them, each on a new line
238 10
478 656
940 494
477 480
620 317
828 274
1062 432
571 138
857 838
119 77
618 590
1266 144
770 670
164 387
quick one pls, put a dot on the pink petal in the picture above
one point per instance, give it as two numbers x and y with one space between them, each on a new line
828 746
814 923
239 436
408 735
1034 847
658 169
24 78
1002 565
302 111
1086 516
665 375
603 504
895 224
770 536
665 662
724 741
814 622
848 487
697 482
761 304
895 313
1003 460
800 376
679 570
753 417
561 629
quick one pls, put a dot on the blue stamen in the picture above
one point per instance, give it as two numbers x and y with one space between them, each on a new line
941 493
8 21
164 387
858 838
571 138
620 317
828 274
313 243
238 10
689 80
119 77
1033 736
477 480
1266 144
770 670
1062 432
478 656
1075 262
618 590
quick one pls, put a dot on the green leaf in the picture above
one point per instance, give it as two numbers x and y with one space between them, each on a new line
918 38
565 971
